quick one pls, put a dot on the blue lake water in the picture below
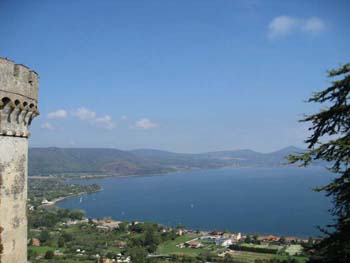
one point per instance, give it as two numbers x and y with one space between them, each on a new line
276 200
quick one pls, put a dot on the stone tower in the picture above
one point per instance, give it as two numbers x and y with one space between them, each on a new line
18 106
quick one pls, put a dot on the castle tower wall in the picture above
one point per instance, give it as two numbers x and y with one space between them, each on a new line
18 106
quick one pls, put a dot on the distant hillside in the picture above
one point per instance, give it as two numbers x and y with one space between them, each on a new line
44 161
78 160
249 158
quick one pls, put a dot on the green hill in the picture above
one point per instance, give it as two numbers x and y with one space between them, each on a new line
44 161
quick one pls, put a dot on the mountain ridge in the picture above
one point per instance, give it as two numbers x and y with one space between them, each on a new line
54 160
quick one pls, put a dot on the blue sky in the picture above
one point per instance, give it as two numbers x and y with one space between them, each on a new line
185 76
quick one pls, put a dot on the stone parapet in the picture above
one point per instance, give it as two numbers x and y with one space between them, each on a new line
18 98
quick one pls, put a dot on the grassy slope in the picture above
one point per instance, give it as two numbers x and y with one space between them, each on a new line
250 257
170 247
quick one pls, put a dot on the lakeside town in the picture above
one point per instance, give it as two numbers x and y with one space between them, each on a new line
62 234
65 239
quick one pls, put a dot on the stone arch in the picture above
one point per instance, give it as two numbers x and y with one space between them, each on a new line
5 101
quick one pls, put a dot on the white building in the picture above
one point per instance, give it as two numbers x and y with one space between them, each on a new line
224 242
237 237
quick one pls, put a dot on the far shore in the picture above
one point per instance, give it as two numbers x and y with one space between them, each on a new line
88 176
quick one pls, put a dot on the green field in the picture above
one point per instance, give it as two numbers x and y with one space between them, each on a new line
70 261
41 250
262 246
250 257
169 247
294 249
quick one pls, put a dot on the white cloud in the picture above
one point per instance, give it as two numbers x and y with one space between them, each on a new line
47 126
282 25
124 117
314 25
59 114
105 122
145 124
84 114
285 25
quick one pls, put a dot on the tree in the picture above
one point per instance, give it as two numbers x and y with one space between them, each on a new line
63 213
330 142
138 254
67 236
32 254
60 242
180 226
49 254
122 227
44 236
248 239
111 255
256 239
282 240
152 237
77 214
152 248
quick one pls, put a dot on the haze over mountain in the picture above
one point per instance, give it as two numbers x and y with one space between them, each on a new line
45 161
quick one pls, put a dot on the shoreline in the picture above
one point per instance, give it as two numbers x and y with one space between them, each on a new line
67 177
59 199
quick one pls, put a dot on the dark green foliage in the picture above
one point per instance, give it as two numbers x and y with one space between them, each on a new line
180 226
275 260
149 237
63 239
63 213
139 239
248 239
44 218
32 254
49 254
67 237
77 214
61 242
44 236
137 254
330 141
254 249
152 240
205 257
111 255
283 240
122 227
170 235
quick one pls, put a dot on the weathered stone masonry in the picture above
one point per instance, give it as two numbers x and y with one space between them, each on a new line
18 106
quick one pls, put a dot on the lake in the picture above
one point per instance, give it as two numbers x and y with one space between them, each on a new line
266 201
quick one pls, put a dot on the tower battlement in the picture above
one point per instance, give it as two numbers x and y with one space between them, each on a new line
18 82
18 98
